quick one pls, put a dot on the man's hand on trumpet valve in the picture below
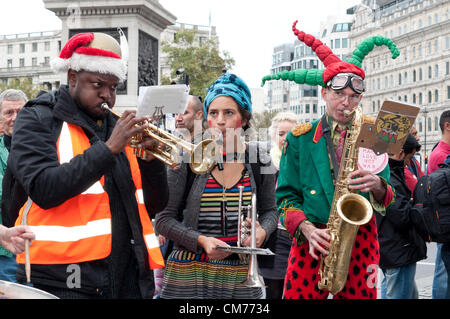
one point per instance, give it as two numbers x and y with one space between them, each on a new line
126 127
260 234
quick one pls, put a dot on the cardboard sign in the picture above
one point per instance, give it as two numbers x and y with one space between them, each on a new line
388 132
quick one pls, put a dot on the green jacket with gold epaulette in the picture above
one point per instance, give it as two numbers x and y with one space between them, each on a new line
305 183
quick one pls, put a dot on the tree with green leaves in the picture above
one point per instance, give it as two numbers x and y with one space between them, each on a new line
25 85
201 60
264 119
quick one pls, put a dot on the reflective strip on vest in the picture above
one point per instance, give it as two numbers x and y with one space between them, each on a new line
155 257
74 233
79 229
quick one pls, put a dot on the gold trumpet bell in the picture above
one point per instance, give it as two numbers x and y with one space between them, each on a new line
203 156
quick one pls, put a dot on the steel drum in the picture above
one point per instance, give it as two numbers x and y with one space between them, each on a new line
11 290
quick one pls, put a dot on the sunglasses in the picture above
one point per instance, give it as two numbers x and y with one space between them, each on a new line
342 80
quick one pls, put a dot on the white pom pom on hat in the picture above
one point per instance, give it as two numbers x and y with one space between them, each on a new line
93 52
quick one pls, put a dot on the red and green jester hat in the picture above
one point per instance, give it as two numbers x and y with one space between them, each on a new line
333 65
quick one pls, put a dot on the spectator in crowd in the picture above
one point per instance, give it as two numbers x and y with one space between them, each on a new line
11 102
437 156
273 268
400 245
413 171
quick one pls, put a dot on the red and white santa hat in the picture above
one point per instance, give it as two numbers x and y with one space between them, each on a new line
93 52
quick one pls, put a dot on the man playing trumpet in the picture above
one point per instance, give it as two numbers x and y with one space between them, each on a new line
92 197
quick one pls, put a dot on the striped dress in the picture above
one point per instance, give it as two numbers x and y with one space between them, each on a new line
191 275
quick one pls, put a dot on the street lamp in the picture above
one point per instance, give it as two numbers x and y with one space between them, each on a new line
425 112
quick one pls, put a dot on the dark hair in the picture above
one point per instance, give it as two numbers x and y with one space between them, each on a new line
246 115
411 144
445 118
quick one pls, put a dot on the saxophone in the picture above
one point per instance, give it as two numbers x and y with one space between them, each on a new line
348 211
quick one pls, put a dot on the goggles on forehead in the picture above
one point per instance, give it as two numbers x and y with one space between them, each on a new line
342 80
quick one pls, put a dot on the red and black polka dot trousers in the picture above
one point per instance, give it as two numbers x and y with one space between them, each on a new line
302 274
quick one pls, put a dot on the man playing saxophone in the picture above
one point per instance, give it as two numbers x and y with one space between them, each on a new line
309 167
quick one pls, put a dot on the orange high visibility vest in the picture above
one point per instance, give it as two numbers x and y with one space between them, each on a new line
79 229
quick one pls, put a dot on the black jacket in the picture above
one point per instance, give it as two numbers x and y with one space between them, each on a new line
400 244
35 170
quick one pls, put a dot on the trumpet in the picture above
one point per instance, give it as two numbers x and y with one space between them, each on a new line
203 156
253 279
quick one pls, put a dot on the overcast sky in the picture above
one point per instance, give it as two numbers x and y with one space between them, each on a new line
247 29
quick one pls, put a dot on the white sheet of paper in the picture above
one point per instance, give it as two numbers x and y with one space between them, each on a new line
172 99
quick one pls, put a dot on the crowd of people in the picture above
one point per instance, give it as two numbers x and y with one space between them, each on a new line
74 188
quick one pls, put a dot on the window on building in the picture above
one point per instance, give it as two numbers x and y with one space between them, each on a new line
399 79
405 78
429 72
430 20
436 45
22 62
447 68
436 96
33 61
405 98
420 74
420 126
47 45
10 48
373 106
420 98
414 98
391 81
436 123
337 43
447 42
420 50
430 97
429 124
22 48
315 108
414 75
9 63
344 43
34 47
448 92
307 108
436 70
47 60
436 18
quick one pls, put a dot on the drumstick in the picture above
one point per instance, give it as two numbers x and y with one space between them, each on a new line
27 260
27 241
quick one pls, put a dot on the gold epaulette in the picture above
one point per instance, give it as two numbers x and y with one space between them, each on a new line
301 129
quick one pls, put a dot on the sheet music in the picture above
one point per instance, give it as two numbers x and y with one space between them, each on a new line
169 98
